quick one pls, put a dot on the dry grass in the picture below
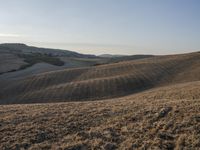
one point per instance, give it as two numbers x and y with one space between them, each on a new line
104 81
161 118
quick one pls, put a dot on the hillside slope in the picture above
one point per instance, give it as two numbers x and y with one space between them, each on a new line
15 57
10 62
104 81
162 119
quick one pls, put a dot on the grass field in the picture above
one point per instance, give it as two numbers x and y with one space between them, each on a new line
161 118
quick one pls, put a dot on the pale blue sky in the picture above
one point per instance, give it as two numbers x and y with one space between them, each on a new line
103 26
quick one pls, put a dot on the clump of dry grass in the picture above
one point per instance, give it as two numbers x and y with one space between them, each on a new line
162 118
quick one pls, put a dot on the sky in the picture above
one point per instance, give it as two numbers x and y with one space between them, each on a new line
103 26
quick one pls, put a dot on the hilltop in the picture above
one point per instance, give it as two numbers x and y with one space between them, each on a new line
20 48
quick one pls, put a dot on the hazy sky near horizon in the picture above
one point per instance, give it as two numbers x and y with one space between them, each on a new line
103 26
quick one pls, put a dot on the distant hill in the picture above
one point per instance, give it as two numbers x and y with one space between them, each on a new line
118 58
126 58
16 56
18 48
110 56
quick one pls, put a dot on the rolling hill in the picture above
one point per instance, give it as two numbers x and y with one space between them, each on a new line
103 81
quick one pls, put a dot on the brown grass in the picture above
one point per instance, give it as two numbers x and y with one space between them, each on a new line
160 118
